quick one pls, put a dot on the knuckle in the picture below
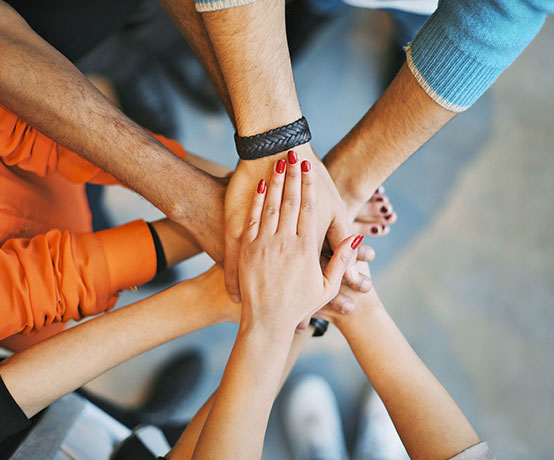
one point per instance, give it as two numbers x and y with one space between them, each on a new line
308 206
291 201
271 210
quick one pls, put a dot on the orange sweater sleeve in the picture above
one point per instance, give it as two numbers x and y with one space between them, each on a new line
58 276
23 146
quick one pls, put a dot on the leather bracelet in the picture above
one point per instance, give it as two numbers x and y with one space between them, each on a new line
273 141
320 326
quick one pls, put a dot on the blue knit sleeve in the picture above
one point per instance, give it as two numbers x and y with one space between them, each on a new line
213 5
466 44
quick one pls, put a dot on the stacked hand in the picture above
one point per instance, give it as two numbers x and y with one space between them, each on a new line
280 275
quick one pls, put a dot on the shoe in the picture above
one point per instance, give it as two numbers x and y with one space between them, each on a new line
145 98
311 420
376 437
188 76
168 398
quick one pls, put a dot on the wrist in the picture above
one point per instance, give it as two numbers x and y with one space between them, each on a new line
304 151
266 334
368 307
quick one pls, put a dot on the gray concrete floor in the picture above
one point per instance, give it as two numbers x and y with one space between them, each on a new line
468 270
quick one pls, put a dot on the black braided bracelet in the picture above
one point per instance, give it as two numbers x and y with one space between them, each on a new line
273 141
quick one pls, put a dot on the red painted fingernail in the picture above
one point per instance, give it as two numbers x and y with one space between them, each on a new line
261 187
356 241
293 157
384 227
280 167
374 230
384 209
379 199
388 217
306 166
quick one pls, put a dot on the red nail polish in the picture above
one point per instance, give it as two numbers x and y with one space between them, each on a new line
306 166
293 157
280 167
388 217
374 230
384 209
261 187
379 199
384 227
356 241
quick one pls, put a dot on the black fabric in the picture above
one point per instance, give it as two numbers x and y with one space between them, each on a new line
75 27
12 418
161 261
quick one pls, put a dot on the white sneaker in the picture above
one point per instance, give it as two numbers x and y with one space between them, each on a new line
311 420
376 436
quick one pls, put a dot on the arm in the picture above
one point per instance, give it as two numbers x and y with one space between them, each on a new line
184 448
454 58
250 46
427 419
88 350
42 87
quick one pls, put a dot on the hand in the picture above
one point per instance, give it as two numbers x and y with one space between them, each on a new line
205 221
280 276
332 218
376 216
351 301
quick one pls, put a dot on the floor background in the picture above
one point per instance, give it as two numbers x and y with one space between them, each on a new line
468 270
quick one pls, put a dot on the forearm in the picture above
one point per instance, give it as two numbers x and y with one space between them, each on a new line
398 124
88 350
248 388
184 448
190 24
428 420
42 87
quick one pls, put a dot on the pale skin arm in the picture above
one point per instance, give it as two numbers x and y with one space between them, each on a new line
43 88
184 448
90 349
428 420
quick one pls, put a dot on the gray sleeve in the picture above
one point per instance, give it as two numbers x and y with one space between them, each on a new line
479 451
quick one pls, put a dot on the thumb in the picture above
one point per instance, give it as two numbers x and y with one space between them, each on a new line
338 231
343 256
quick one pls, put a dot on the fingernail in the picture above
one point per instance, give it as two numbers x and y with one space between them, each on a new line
384 209
280 167
379 199
293 157
356 241
261 187
306 166
388 217
374 230
235 298
384 227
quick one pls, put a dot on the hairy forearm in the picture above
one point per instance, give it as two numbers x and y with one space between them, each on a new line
398 124
250 44
248 388
428 420
190 24
184 448
42 87
88 350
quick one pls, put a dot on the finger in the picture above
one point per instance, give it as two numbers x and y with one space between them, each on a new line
379 198
270 214
374 211
255 213
341 304
365 253
371 229
337 232
364 283
291 195
342 257
307 218
230 266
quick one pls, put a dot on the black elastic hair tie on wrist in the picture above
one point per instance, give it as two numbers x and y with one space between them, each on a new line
161 261
273 141
320 326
